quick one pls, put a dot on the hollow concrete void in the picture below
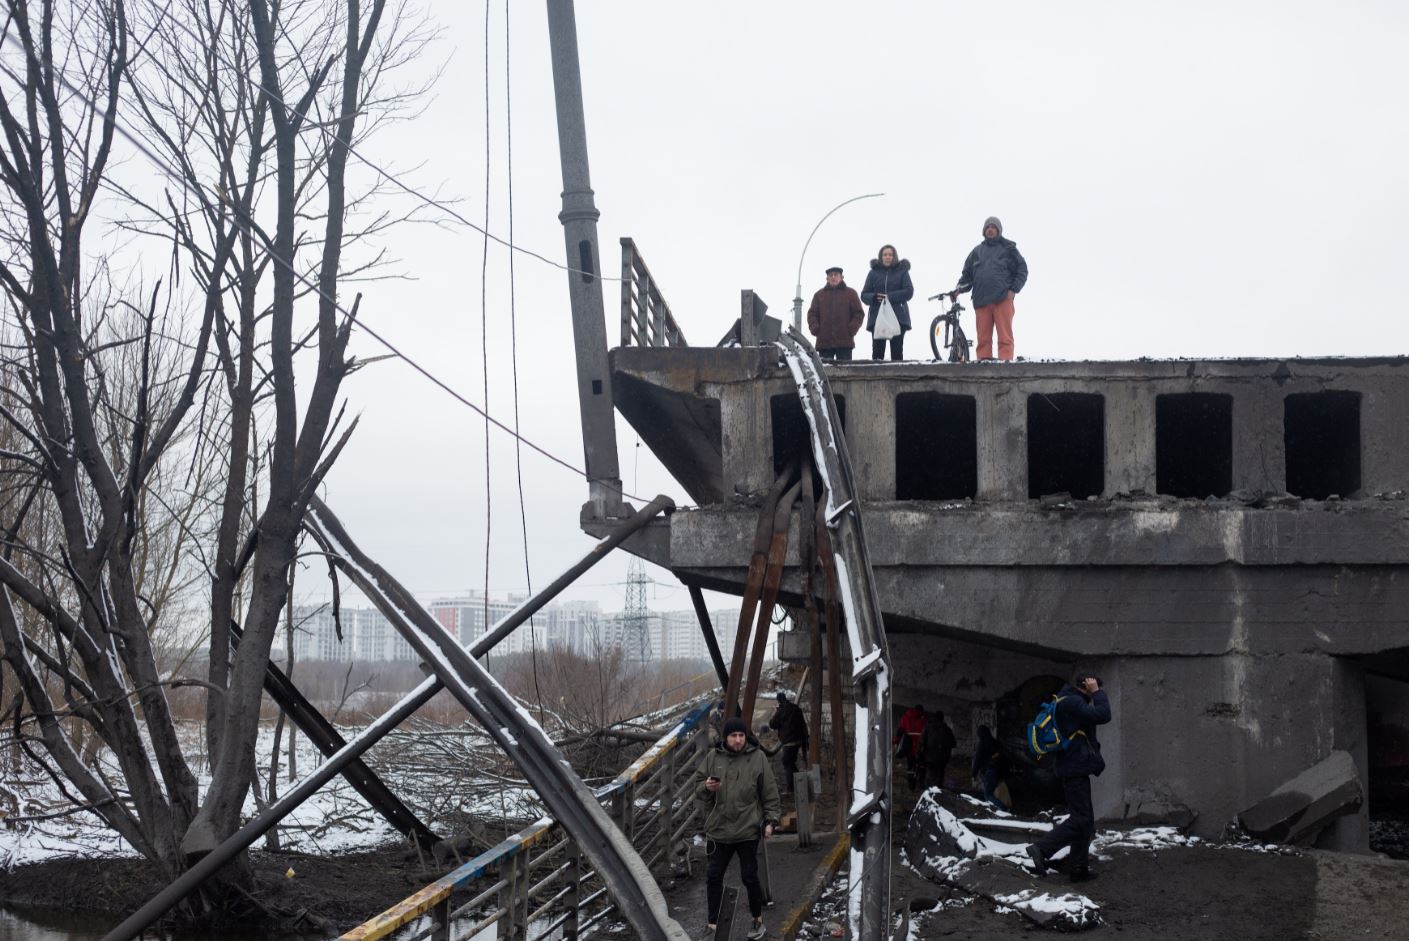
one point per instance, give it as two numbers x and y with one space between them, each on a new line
936 446
1065 444
1323 444
791 437
1194 444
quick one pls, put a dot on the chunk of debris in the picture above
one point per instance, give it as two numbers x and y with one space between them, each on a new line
1301 808
942 847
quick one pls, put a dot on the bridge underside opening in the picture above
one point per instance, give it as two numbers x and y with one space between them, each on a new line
1322 438
791 436
936 446
1194 444
1387 734
1066 444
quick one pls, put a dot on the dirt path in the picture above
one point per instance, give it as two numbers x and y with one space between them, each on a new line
1200 892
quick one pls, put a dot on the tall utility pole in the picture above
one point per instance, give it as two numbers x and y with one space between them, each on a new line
636 615
579 219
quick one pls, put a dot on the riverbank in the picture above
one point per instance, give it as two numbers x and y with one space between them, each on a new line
292 891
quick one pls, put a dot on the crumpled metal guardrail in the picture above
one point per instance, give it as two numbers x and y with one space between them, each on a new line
868 818
568 799
496 859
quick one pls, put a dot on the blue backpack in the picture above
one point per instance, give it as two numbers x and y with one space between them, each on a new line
1043 735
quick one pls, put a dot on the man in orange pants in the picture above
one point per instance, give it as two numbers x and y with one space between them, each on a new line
996 271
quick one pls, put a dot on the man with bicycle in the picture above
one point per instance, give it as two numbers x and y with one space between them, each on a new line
996 272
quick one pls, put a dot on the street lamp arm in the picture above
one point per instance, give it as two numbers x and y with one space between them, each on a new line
797 296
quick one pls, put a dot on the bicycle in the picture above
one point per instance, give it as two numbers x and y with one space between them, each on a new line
951 337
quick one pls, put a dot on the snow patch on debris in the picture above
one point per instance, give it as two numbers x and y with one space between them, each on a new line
1075 911
985 805
970 843
1142 838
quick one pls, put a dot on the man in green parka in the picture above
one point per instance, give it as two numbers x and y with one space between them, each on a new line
735 785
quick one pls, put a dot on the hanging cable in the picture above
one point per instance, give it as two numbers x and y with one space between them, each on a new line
514 349
484 318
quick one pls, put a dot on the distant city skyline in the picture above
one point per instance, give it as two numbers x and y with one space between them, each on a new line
579 625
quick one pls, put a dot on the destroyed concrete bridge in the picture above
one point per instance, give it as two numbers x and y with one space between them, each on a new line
1224 542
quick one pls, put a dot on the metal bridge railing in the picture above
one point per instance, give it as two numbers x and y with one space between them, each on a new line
645 316
538 878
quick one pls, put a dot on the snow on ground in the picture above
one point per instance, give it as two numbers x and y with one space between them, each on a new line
415 764
1141 838
1077 911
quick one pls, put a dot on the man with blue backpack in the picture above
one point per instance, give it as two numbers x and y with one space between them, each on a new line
1066 727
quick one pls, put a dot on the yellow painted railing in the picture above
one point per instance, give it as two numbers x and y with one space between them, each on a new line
649 801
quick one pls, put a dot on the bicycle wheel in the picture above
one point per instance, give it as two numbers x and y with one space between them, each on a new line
959 348
937 337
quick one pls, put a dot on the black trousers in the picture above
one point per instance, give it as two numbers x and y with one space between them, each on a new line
897 347
839 353
719 855
1077 830
790 753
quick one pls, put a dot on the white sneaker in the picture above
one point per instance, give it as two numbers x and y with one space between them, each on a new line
757 931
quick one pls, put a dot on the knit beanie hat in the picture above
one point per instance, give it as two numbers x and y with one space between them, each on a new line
734 725
992 221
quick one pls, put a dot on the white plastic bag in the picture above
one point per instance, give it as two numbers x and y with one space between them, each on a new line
887 324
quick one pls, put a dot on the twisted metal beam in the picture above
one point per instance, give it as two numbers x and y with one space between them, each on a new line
868 817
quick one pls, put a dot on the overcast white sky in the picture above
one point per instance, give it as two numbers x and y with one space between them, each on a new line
1203 179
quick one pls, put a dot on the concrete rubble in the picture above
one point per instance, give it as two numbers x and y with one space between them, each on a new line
942 845
1297 811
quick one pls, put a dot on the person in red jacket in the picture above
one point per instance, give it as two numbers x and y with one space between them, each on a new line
907 739
834 317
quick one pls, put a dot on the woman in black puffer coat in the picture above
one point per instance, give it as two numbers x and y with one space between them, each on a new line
889 277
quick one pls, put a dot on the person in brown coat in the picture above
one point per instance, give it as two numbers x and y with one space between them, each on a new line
835 316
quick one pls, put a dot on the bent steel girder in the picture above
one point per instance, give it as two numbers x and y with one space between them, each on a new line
329 741
266 819
567 798
868 818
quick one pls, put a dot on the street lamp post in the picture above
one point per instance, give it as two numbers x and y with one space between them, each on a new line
797 296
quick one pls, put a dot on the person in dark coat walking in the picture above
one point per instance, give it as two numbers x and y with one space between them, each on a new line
734 787
990 766
996 271
936 745
834 317
1082 705
792 734
888 279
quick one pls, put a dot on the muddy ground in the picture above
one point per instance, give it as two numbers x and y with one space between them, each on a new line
324 896
1207 892
1201 892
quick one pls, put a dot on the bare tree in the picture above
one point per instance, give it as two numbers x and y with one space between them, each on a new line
250 108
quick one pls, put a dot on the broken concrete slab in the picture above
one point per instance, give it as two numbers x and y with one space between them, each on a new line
943 848
1299 809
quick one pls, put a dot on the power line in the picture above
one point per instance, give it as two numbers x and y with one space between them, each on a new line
248 226
484 315
514 344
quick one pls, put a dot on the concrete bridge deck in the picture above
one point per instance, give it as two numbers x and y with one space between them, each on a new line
1225 542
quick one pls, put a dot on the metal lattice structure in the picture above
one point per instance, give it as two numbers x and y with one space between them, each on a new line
635 621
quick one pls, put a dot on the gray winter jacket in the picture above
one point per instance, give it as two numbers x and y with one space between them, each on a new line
993 268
